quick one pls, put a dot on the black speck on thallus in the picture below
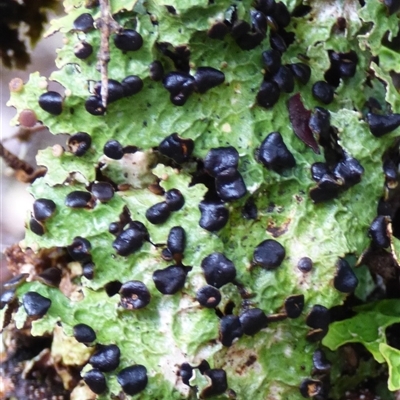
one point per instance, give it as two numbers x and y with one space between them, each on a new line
106 357
380 125
35 304
219 383
79 249
134 295
115 90
294 305
94 105
269 254
214 215
84 23
84 333
102 191
83 50
131 239
158 213
345 280
230 185
176 240
253 320
96 381
36 227
79 143
128 40
156 71
131 85
171 279
113 149
219 159
323 92
305 264
208 296
133 379
218 270
318 317
177 148
230 328
78 199
268 94
271 60
43 209
378 231
51 102
174 199
207 78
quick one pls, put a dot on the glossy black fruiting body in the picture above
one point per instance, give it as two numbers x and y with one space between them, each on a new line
131 239
380 125
96 381
15 281
321 364
301 72
156 71
134 295
43 209
158 213
131 85
294 305
176 240
284 79
83 50
174 199
6 297
318 318
35 304
50 276
318 170
323 92
281 15
78 199
265 6
102 191
219 383
271 60
36 227
51 102
230 328
186 373
113 149
320 122
393 6
379 233
133 379
274 154
177 148
268 94
230 185
277 42
106 357
269 254
218 270
79 249
218 31
207 78
79 143
345 279
84 23
208 296
219 159
249 210
305 264
253 320
311 388
349 170
214 215
94 105
170 280
128 40
328 188
258 21
84 333
115 90
180 85
88 270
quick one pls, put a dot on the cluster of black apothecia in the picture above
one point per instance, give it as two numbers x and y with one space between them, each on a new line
221 165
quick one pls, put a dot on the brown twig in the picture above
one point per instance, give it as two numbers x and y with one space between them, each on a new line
14 162
106 25
24 172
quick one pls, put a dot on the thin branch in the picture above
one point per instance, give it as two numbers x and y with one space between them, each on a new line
14 162
24 172
107 24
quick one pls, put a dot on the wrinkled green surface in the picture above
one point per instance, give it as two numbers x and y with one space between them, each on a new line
175 329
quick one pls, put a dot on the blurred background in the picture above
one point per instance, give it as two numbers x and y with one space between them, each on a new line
15 51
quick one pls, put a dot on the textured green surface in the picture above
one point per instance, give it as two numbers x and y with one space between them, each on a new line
175 329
